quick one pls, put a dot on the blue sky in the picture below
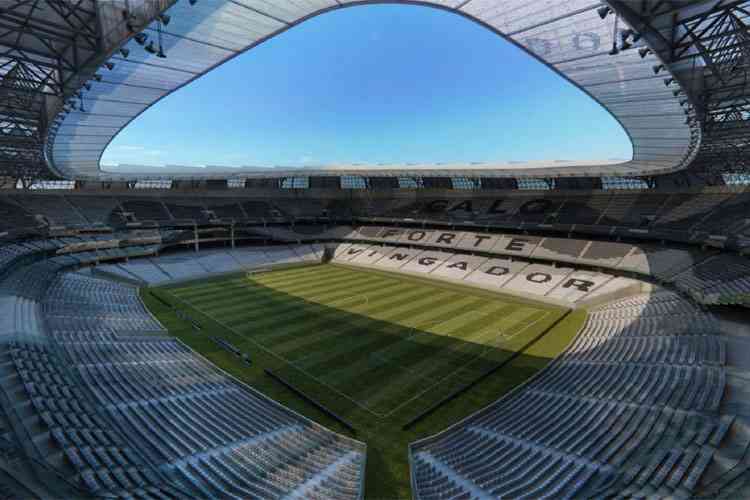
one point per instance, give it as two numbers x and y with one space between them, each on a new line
374 84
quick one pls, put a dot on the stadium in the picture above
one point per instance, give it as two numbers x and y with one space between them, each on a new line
465 331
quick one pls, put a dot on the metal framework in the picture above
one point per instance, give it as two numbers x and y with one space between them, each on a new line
73 73
706 45
45 45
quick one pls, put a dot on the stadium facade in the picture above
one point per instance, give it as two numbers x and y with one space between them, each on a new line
648 399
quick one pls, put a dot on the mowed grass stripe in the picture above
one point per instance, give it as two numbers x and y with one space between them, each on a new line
378 339
456 357
329 348
394 352
301 275
389 300
434 346
251 289
431 355
284 334
298 284
260 296
387 398
335 354
217 290
287 309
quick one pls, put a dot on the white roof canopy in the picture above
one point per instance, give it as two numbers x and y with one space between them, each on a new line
569 36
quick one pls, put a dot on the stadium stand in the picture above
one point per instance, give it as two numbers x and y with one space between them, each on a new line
55 209
510 276
644 377
648 401
225 209
666 264
187 209
635 401
118 408
145 209
191 265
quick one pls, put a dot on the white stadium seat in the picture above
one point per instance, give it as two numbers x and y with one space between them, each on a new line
459 266
538 279
495 273
426 262
372 255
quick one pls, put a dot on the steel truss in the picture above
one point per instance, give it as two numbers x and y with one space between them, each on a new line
706 45
49 49
45 45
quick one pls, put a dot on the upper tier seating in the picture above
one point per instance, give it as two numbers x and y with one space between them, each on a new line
715 215
630 409
96 209
56 209
13 216
223 208
187 208
145 209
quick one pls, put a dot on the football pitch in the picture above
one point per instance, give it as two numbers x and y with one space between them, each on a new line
376 348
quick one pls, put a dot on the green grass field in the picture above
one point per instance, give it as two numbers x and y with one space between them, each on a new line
377 348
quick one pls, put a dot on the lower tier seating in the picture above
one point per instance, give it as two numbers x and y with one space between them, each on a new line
631 408
118 408
562 285
192 265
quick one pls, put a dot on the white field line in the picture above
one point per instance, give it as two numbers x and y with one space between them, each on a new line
440 381
419 330
339 301
277 356
416 329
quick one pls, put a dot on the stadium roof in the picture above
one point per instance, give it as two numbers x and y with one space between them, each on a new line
639 63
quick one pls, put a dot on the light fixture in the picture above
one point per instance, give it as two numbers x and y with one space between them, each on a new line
658 68
644 51
603 11
668 81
